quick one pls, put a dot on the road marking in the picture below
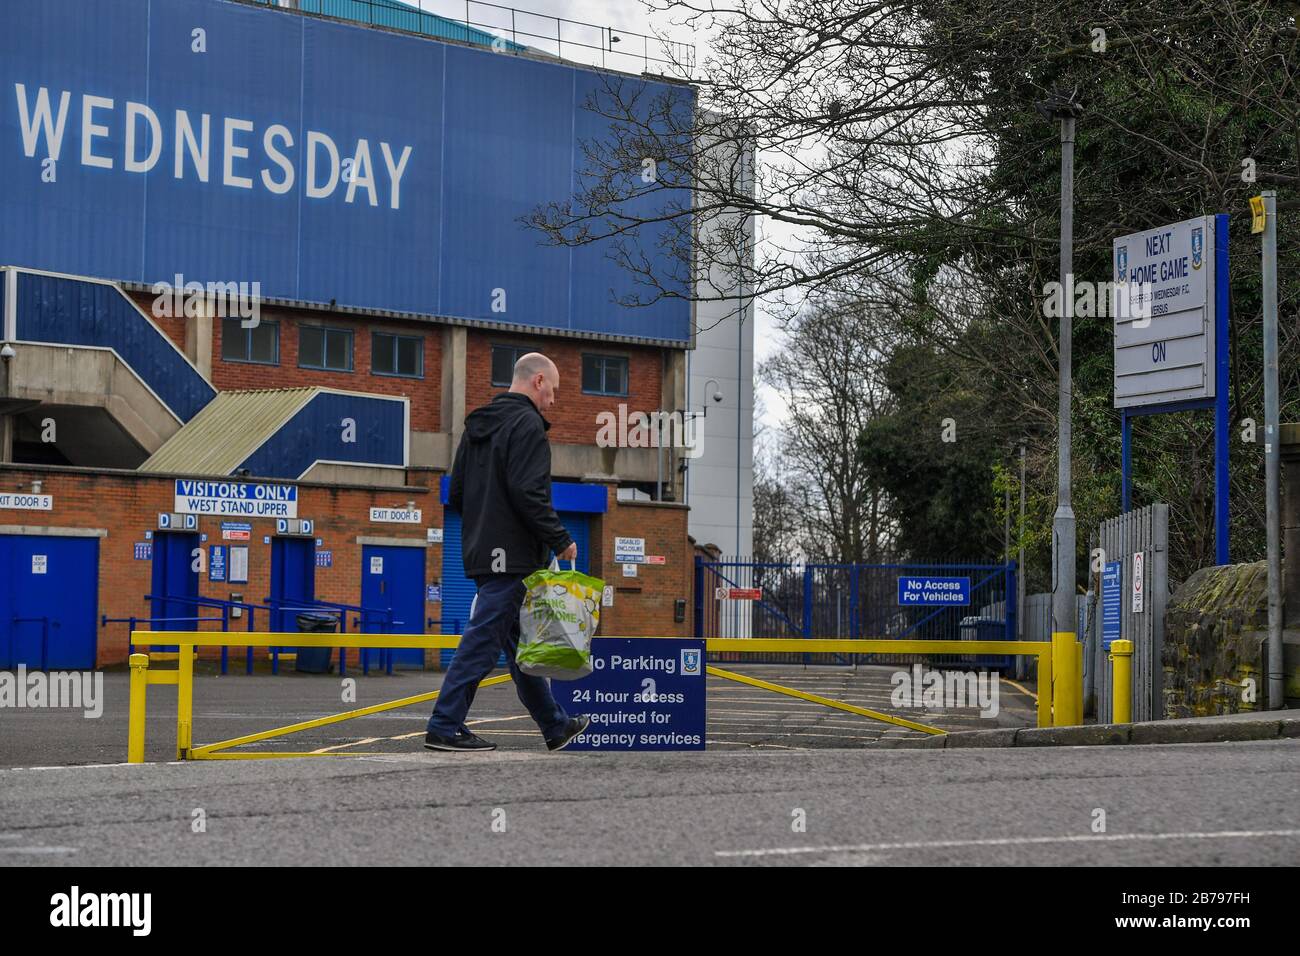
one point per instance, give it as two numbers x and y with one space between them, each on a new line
421 733
86 766
34 850
1009 841
791 734
1024 690
354 743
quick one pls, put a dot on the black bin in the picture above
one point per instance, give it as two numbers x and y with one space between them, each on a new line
315 660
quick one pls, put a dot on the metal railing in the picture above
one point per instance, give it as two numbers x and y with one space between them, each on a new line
740 598
1059 703
271 608
508 30
45 636
365 615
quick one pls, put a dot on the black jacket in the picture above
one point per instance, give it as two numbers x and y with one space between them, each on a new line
501 485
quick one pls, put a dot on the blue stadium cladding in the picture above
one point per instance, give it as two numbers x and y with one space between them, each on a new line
231 165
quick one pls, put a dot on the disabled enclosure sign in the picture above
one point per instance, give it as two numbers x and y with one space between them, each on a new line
925 591
642 694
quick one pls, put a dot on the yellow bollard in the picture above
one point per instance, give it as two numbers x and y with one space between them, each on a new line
1121 655
185 701
1078 698
1066 679
1044 677
135 725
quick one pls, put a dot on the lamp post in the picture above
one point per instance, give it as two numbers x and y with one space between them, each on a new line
1065 668
6 419
1272 437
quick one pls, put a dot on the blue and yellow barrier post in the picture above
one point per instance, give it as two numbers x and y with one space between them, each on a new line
1067 680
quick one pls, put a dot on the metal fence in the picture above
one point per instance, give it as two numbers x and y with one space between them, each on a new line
736 597
510 30
1036 625
1144 531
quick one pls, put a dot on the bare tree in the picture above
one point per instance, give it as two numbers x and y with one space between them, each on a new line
826 376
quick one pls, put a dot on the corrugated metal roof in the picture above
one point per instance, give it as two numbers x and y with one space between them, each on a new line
229 429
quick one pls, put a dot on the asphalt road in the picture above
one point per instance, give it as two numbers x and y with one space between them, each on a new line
782 783
1212 804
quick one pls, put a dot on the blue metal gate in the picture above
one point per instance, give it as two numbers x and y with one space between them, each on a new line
738 598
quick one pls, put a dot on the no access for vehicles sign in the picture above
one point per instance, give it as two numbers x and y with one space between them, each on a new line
925 591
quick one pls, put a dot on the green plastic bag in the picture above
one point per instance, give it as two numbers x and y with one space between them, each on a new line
560 613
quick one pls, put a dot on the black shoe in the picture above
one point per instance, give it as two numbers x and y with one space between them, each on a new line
461 742
575 726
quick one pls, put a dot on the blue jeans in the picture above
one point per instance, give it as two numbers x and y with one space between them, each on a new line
493 628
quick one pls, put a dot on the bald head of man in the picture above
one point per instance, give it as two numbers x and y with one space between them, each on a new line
537 377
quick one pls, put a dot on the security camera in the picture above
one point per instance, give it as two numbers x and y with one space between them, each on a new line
717 396
7 352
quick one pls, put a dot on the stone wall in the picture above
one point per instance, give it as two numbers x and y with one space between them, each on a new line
1216 630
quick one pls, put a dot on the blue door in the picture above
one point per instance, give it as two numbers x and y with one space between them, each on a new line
49 601
392 579
458 590
293 580
174 577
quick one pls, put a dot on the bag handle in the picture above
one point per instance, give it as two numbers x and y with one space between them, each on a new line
555 564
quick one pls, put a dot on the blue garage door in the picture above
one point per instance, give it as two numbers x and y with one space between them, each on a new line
392 578
458 590
49 601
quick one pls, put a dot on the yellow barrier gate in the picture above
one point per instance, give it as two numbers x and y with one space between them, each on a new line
1058 702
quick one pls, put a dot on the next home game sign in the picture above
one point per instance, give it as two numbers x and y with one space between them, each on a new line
925 591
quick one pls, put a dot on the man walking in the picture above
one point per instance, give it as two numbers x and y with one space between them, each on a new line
501 485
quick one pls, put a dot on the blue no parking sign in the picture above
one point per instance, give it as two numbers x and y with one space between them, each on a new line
645 693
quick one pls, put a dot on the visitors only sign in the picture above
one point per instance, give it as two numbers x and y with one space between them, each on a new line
1164 337
644 693
236 498
924 591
